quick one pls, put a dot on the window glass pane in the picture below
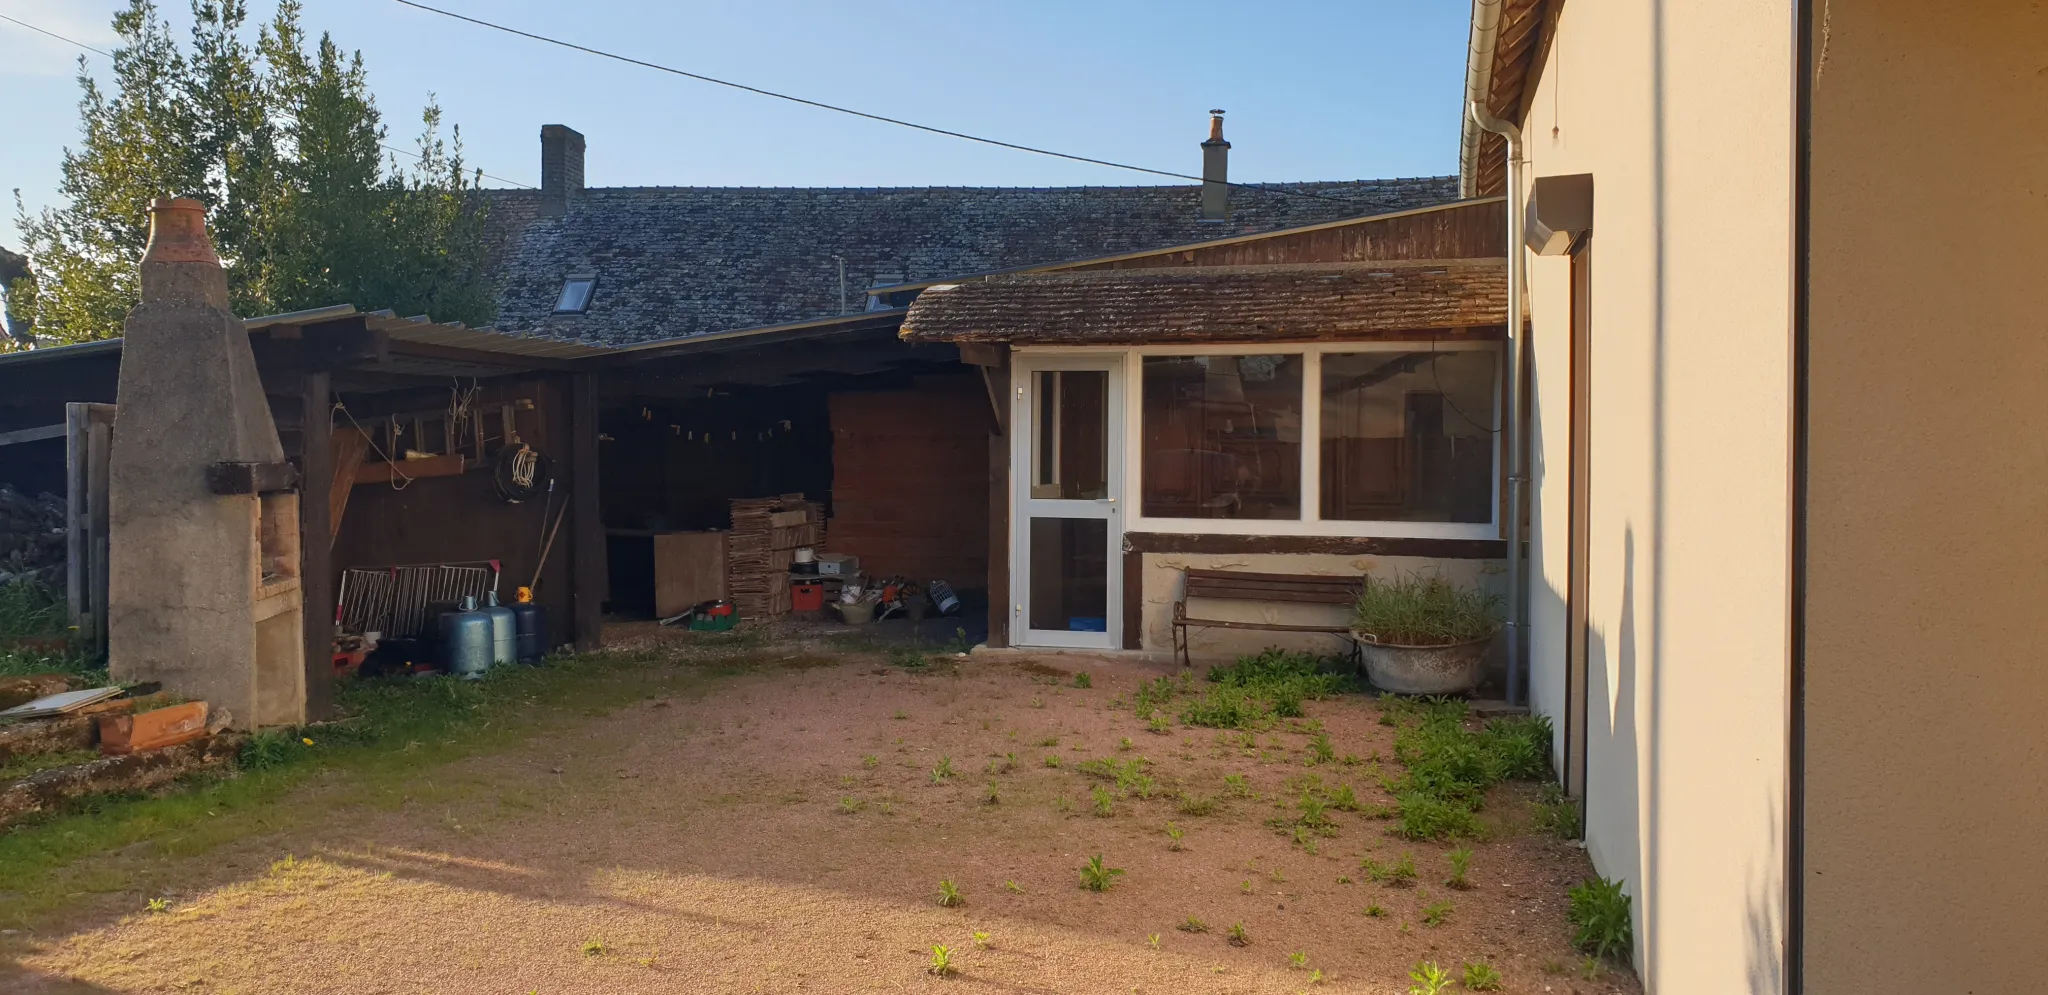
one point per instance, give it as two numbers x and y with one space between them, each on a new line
575 295
1222 437
1070 444
1070 574
1409 436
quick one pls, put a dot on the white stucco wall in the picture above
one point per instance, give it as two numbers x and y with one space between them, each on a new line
1683 114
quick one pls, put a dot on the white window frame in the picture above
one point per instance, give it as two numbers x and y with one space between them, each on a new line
1311 522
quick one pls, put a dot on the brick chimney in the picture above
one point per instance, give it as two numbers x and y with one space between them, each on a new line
1216 172
561 168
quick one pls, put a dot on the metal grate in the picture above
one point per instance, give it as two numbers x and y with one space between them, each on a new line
399 601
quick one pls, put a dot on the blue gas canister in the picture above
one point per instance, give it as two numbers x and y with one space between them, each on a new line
466 640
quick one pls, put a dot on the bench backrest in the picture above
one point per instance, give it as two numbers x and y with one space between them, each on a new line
1240 586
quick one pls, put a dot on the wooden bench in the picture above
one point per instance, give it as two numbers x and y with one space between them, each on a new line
1233 585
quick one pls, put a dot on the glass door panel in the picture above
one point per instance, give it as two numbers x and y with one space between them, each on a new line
1065 584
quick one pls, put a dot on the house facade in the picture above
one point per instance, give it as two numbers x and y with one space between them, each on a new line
1319 401
1784 362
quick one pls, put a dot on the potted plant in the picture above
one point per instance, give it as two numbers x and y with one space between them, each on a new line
1422 634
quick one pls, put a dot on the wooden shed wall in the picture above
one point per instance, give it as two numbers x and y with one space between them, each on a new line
910 479
1472 231
443 519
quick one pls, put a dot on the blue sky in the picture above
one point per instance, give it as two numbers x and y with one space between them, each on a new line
1315 89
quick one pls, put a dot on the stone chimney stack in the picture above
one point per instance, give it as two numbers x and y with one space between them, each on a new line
202 580
1216 172
561 168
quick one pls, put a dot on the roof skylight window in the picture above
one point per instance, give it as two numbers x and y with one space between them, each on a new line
576 292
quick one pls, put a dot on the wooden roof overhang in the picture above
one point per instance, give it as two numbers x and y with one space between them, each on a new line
1511 72
1463 298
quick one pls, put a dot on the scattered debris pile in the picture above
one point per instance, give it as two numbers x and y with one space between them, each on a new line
32 546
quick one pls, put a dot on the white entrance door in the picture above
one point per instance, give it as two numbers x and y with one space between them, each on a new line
1066 583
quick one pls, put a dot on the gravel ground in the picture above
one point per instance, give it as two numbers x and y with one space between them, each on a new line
784 832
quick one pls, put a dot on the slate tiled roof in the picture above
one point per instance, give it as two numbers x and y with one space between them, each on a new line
1216 303
679 261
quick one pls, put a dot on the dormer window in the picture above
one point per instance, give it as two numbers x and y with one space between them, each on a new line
576 292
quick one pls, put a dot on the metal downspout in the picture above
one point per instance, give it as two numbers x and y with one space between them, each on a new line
1478 88
1518 469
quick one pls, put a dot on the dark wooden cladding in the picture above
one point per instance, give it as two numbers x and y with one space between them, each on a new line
908 467
1134 598
1473 230
587 576
1407 299
1448 549
1524 36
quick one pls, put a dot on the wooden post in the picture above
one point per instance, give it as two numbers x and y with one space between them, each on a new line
316 542
996 376
586 533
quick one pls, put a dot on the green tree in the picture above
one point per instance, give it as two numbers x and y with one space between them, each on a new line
284 144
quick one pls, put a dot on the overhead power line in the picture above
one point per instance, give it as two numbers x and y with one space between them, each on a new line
821 105
107 54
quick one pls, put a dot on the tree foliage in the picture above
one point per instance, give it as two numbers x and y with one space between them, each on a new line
284 144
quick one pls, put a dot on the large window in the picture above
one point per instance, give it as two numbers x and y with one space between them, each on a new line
1222 437
1324 439
1408 436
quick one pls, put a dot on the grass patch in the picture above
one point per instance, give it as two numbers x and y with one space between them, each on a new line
36 614
1450 767
1425 610
23 766
1256 690
390 730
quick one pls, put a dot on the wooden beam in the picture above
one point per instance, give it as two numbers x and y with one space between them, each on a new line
586 532
316 545
251 478
446 465
509 362
37 434
1449 549
348 445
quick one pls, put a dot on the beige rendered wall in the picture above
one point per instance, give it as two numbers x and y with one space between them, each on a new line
1683 114
1926 777
1162 576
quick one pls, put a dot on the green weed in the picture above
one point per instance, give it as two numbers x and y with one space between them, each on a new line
1429 979
1049 741
159 905
1105 803
1082 680
1298 960
849 805
1052 760
1397 874
1436 913
1153 939
1450 767
1237 935
1173 835
1483 977
1096 877
1461 862
942 960
949 894
991 795
1599 915
1375 912
1014 887
1124 743
981 941
943 771
1237 786
1320 750
595 948
1556 814
1192 925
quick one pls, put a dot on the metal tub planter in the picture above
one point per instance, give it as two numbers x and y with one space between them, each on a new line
1422 634
1453 668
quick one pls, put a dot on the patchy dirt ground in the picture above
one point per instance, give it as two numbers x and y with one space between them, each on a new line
783 831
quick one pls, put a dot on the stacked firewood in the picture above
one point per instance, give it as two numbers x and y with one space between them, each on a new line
765 535
32 545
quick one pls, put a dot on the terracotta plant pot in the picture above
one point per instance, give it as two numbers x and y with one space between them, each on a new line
1450 669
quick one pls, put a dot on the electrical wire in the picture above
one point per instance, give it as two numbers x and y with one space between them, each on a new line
107 54
821 105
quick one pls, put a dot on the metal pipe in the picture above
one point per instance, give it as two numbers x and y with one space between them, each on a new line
1518 470
1478 89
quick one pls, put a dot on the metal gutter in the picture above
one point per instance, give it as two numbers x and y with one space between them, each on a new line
709 340
1485 36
